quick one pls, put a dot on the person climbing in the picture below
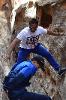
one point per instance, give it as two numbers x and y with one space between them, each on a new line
28 39
17 80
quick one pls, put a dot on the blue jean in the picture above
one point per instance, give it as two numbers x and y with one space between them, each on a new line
25 95
41 50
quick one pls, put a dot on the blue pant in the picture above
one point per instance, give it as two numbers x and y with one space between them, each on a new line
41 50
24 95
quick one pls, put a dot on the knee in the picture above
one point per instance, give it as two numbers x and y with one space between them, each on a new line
49 98
48 54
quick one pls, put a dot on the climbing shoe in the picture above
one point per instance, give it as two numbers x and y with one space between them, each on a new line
62 71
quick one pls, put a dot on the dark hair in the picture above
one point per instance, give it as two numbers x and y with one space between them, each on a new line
33 20
40 61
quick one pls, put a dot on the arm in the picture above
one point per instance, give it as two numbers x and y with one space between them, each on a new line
12 46
54 33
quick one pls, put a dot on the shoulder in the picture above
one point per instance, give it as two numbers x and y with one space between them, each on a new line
40 27
24 30
25 63
23 33
29 64
43 30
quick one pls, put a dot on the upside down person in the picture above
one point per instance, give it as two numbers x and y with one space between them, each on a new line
18 79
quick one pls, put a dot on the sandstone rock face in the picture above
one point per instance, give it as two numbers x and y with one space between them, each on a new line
57 46
54 85
4 39
48 83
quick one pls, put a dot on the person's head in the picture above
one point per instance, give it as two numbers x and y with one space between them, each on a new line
33 24
39 62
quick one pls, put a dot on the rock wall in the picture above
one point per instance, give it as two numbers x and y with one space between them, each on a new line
4 41
51 83
57 46
48 83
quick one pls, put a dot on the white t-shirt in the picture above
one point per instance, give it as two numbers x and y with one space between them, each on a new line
30 39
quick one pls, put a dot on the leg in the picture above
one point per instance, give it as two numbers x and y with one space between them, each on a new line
45 53
22 56
34 96
24 95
